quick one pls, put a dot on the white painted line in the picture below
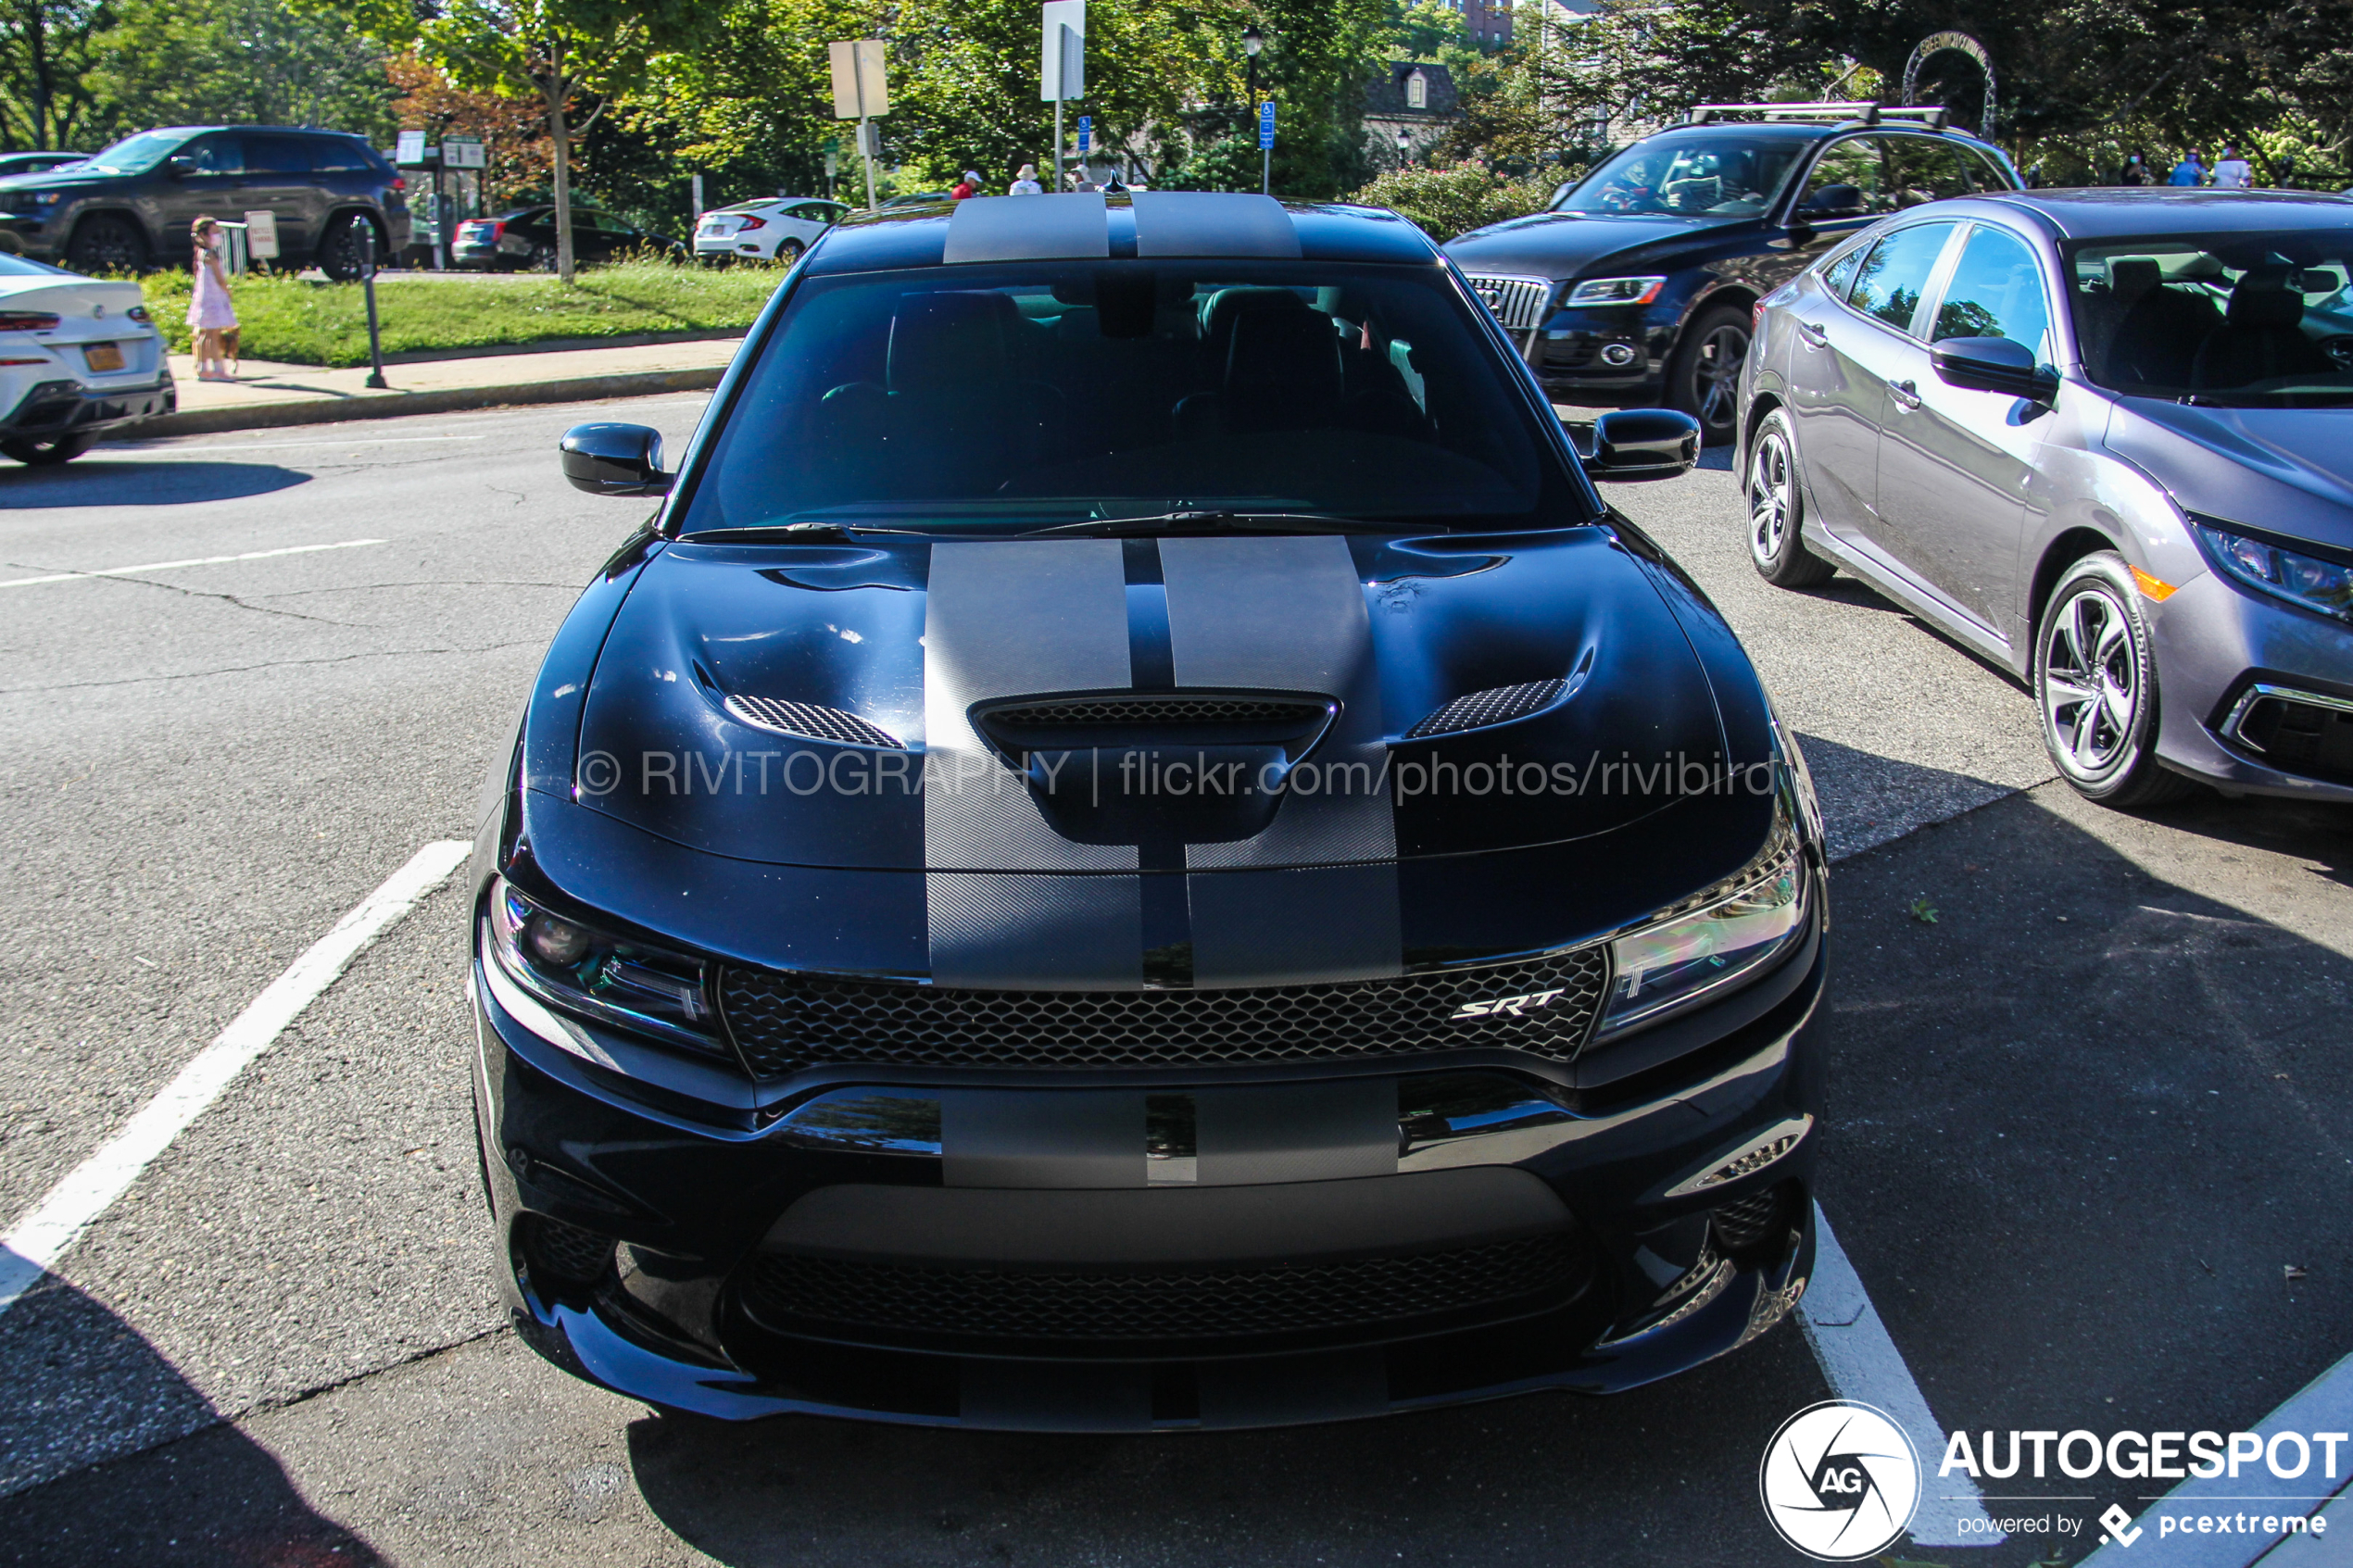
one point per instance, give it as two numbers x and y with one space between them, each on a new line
175 565
1863 1364
2325 1404
44 1235
284 445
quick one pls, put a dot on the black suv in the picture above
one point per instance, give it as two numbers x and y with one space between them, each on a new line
1637 284
129 208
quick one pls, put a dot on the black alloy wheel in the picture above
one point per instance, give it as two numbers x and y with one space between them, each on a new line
1706 380
2095 687
1776 510
106 243
788 252
47 451
342 249
542 259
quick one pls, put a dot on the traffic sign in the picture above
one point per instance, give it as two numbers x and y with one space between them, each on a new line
463 152
1086 133
408 147
1266 124
1062 71
859 88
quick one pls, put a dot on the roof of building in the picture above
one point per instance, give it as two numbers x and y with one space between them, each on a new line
1385 95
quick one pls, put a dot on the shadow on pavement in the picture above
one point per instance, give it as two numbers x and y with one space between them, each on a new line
1868 799
127 481
82 1387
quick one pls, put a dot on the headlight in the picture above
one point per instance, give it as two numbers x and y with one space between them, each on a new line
603 978
2317 584
41 198
1733 930
1617 291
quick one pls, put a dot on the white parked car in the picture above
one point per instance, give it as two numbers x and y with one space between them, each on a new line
78 356
775 229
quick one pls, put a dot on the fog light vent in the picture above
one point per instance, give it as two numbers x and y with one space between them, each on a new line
1618 356
564 1254
1751 1220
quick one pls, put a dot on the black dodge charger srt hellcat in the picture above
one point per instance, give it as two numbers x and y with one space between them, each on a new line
1132 848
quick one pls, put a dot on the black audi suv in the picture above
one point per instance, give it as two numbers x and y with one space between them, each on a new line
1132 846
1637 284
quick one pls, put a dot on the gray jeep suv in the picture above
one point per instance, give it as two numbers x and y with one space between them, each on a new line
128 209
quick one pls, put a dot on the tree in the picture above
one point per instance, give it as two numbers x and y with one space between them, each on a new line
45 49
253 62
551 52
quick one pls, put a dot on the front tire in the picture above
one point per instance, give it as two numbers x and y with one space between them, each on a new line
106 244
343 253
788 252
2095 687
48 452
1704 381
1776 510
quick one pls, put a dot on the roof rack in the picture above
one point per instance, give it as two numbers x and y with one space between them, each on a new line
1932 116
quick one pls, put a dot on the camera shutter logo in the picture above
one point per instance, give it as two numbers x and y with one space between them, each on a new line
1840 1481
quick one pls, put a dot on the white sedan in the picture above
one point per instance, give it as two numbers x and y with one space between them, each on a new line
775 229
78 356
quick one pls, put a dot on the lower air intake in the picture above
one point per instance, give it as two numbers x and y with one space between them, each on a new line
811 721
1497 705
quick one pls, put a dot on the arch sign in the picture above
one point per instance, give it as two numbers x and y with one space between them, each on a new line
1937 43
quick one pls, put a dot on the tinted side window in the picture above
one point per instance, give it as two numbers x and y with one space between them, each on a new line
1895 274
1981 173
217 154
1844 181
334 154
1922 169
1996 291
277 155
1842 273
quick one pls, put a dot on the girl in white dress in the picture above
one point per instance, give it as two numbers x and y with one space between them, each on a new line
210 312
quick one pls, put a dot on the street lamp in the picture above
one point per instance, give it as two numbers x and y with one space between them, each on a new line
1405 146
1252 41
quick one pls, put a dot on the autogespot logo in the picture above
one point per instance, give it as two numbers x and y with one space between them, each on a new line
1840 1481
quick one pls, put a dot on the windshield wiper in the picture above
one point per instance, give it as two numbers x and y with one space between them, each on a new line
1207 521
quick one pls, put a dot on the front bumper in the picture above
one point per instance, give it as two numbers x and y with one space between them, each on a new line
2215 645
68 407
1637 1282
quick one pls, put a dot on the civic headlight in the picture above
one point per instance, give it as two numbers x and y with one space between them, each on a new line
1617 291
597 975
2324 585
1711 941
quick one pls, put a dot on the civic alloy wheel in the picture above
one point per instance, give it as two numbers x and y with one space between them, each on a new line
1776 510
2095 684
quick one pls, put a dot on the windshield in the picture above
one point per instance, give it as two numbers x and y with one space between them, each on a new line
135 155
1718 177
988 398
2261 320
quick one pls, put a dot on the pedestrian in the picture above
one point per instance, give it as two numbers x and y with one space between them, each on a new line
210 313
966 188
2231 172
1025 182
2136 171
2189 172
1080 181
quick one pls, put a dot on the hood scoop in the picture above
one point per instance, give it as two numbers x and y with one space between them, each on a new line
1207 767
807 720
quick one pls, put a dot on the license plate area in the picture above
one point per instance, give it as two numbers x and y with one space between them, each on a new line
103 357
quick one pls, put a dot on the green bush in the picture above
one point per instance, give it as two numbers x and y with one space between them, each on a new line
293 321
1447 202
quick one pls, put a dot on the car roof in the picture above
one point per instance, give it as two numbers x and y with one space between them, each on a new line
2095 212
274 129
1801 131
1094 225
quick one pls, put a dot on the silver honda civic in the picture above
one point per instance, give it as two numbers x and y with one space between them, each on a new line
2105 439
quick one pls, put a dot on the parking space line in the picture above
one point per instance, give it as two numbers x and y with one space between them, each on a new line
2325 1404
286 445
42 1236
175 565
1860 1362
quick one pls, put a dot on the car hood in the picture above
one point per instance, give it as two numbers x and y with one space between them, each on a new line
728 666
2289 470
1561 245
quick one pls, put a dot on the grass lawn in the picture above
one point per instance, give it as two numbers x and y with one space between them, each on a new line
304 323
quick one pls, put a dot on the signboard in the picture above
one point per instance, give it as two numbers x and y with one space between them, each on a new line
408 147
1085 134
1266 126
860 90
1062 70
463 152
870 141
261 235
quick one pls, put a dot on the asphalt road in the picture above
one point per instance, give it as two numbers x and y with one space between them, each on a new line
2083 1122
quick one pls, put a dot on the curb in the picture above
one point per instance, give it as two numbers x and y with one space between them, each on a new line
392 404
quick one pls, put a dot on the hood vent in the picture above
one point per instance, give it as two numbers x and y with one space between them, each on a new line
809 721
1158 713
1497 705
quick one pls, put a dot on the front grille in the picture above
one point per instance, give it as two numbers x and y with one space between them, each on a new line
783 1022
809 721
795 1292
1496 706
1153 712
2298 734
564 1254
1750 1221
1518 303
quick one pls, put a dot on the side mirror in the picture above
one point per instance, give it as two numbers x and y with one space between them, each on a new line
1992 364
1631 444
615 459
179 168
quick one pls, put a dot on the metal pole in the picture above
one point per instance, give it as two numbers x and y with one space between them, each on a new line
1058 143
866 156
376 381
